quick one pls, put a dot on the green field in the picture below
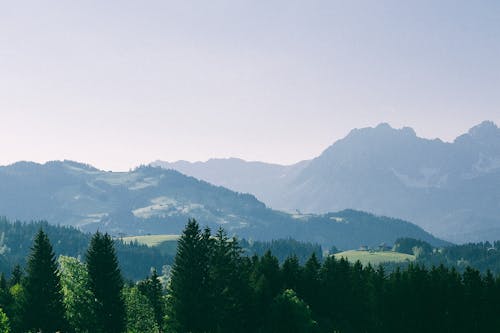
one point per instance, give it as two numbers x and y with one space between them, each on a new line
151 240
374 258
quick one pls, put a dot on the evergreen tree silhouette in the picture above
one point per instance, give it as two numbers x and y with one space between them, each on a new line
106 283
44 308
189 292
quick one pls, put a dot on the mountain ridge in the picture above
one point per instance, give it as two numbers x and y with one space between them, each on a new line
151 200
439 185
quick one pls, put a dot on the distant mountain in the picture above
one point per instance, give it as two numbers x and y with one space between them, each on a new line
450 189
157 201
266 181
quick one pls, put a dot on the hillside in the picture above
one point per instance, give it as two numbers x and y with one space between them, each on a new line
375 258
151 200
16 240
451 189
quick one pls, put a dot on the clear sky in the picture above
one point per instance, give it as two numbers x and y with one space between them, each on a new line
117 83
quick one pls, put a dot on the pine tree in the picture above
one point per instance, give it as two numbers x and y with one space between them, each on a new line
266 282
291 273
153 290
310 286
189 292
16 276
44 308
229 286
106 283
5 296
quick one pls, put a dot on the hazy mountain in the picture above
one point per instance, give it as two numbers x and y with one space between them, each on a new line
451 189
265 181
154 200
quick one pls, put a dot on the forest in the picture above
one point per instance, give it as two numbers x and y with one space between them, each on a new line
214 287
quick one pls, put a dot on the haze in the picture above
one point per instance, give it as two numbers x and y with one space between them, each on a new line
119 83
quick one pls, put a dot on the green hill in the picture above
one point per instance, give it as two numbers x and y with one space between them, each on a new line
374 257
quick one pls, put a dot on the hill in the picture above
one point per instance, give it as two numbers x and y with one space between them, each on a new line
151 200
451 189
16 239
375 258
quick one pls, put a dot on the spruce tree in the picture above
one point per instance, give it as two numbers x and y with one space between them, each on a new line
106 283
229 286
44 309
16 276
153 290
189 290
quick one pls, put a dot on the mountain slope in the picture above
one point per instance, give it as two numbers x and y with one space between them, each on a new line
241 176
451 189
157 201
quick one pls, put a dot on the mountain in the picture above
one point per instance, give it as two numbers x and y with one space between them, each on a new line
266 181
152 200
451 189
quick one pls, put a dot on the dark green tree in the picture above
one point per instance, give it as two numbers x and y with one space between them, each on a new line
44 308
153 290
290 314
291 273
16 275
5 296
229 285
106 283
189 292
310 288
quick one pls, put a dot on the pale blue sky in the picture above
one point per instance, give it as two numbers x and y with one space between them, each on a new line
119 83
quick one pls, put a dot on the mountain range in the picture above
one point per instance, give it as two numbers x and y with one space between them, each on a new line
152 200
451 189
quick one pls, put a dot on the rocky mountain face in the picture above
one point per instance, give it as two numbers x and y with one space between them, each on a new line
150 200
450 189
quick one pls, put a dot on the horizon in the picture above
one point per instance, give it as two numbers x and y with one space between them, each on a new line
122 83
148 163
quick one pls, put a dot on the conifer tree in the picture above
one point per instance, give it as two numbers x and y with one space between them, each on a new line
291 273
153 290
189 299
310 286
5 296
229 285
44 308
16 275
106 283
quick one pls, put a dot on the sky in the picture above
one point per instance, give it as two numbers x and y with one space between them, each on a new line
120 83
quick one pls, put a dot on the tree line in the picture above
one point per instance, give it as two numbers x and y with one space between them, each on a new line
16 238
215 287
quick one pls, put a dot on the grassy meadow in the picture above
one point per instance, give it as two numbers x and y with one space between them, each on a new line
374 257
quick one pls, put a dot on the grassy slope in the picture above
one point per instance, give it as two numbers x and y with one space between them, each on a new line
374 258
151 240
166 244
